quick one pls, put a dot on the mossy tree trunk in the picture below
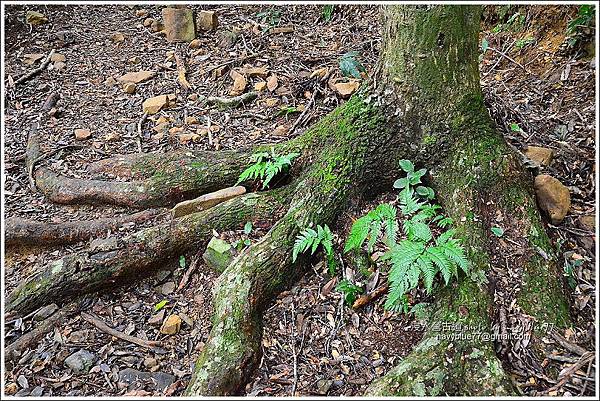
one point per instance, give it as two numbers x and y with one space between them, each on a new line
426 105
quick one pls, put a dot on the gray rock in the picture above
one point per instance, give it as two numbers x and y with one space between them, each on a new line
45 312
81 361
218 254
153 380
37 391
323 386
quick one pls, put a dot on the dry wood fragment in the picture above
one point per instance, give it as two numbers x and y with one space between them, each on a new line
367 298
33 73
181 71
115 333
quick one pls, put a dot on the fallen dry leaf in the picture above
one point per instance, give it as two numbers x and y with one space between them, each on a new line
272 83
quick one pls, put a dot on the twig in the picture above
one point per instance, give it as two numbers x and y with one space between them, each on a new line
509 58
115 333
181 71
576 349
239 59
365 299
308 106
585 358
139 131
191 269
587 377
41 68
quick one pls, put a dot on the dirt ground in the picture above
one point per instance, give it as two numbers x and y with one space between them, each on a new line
313 343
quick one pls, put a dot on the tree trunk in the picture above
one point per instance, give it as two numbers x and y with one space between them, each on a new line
425 105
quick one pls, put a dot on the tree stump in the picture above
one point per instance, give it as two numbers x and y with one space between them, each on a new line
179 24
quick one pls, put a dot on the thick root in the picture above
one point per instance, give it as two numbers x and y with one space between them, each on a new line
19 231
116 261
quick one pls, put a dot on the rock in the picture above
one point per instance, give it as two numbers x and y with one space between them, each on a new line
45 312
552 197
156 26
323 386
155 104
179 24
227 39
171 326
81 361
129 87
167 288
157 318
136 77
35 18
540 155
150 362
112 137
11 388
207 20
81 134
153 380
141 13
207 201
37 391
58 57
588 222
59 65
195 44
260 86
218 254
148 22
346 89
117 37
110 81
191 120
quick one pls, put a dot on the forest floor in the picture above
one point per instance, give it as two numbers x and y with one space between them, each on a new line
313 343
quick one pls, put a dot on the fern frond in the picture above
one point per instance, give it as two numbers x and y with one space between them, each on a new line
358 233
455 252
428 271
408 202
439 259
304 241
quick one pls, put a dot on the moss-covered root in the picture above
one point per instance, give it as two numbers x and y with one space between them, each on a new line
115 262
456 356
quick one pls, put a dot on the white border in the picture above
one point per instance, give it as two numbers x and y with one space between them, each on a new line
3 179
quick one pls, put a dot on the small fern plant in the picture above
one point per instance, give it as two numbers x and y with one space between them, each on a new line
310 239
419 257
266 166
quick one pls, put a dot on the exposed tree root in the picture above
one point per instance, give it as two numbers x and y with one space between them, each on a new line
136 255
18 231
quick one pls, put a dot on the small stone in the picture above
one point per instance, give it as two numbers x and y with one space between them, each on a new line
207 20
148 22
35 18
129 87
167 288
10 388
59 65
45 312
141 13
112 137
110 81
188 320
150 362
155 104
260 86
346 89
588 222
552 197
137 76
81 134
188 137
323 386
117 37
156 26
81 361
195 44
58 57
157 318
154 380
207 201
190 120
218 254
172 325
540 155
227 38
37 391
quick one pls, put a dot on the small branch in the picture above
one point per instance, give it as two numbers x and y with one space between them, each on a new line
367 298
509 58
585 358
115 333
239 59
181 71
139 131
191 269
574 348
308 106
41 68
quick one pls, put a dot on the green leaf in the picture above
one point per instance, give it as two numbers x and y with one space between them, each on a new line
248 227
515 127
160 305
401 183
406 166
182 261
328 12
349 290
350 66
484 45
498 231
247 242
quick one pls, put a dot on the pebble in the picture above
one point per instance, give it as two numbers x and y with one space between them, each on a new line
81 361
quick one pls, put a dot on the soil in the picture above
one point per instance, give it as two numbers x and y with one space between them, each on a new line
313 343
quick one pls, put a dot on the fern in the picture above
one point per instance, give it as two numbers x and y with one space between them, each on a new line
311 239
266 166
369 226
